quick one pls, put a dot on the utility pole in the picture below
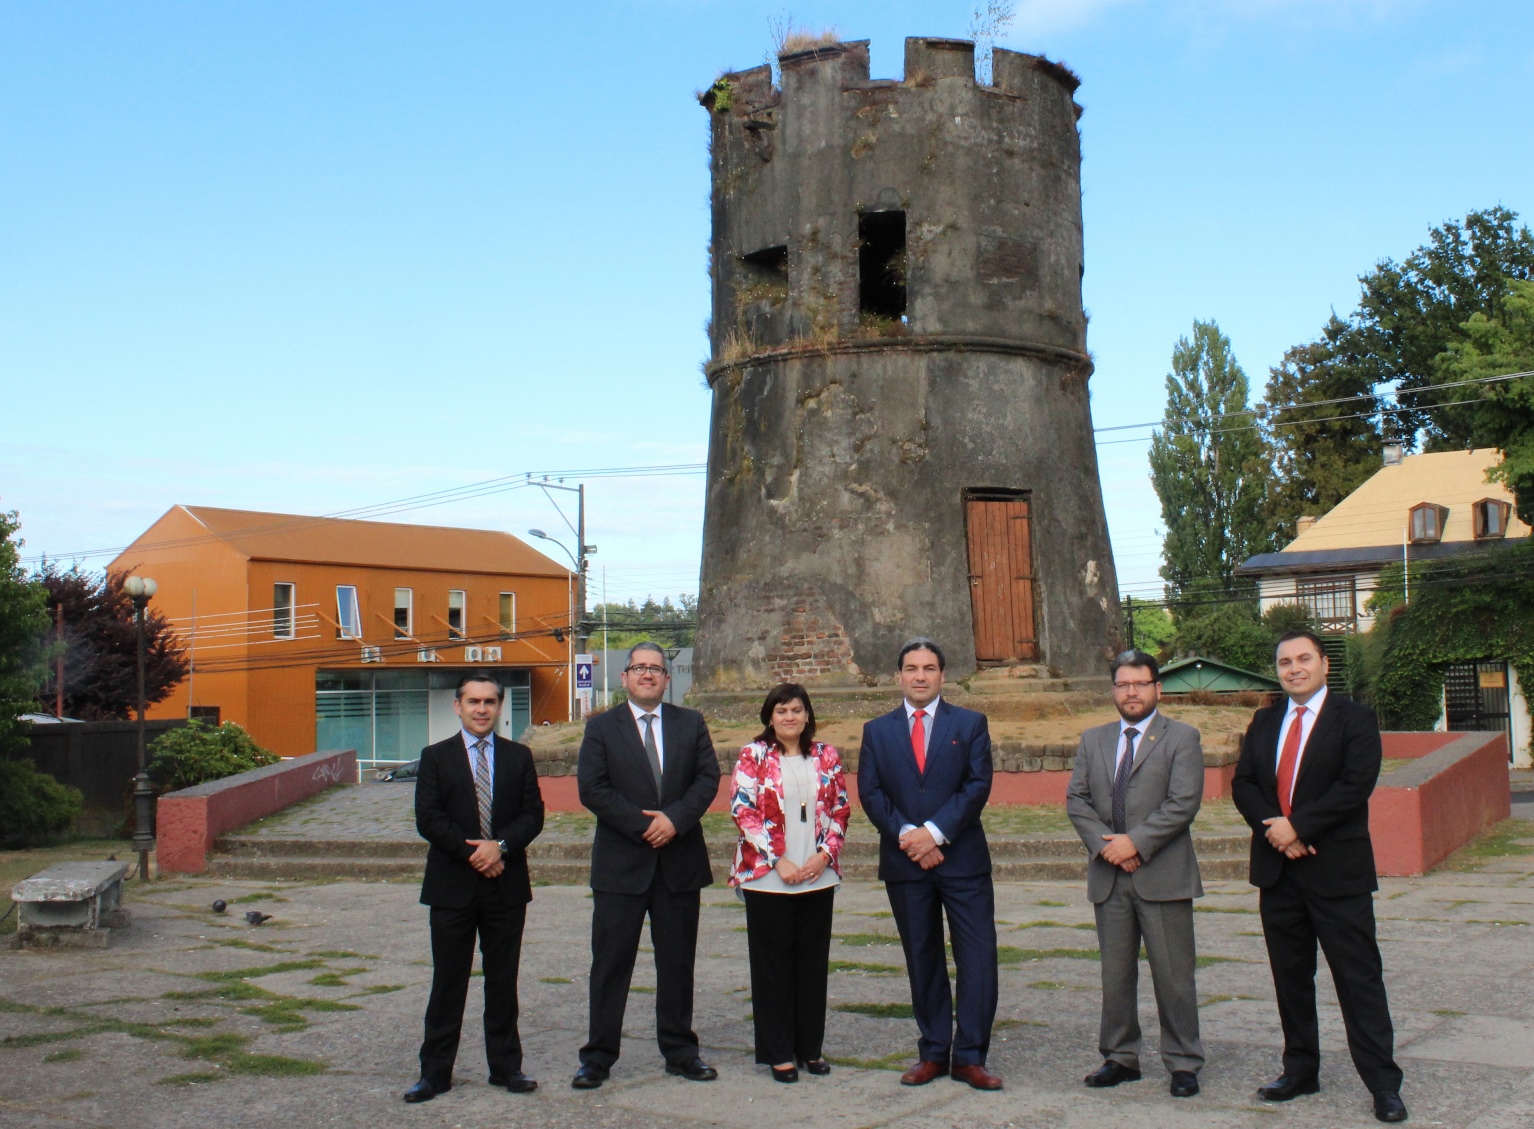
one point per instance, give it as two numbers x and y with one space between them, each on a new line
1129 615
58 680
191 661
582 635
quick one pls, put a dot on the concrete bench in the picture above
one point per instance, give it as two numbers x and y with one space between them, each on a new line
75 904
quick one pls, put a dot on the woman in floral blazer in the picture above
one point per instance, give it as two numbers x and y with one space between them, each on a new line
789 800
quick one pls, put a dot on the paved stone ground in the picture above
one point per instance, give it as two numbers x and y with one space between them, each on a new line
196 1019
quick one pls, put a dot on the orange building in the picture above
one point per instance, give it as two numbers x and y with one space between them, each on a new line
318 633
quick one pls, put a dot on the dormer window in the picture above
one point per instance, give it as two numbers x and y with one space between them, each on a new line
1427 521
1491 516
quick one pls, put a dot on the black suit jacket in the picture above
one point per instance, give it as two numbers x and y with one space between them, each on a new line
1330 810
616 784
447 814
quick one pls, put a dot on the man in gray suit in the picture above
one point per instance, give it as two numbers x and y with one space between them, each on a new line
1137 785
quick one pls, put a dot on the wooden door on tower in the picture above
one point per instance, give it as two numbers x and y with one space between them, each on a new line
1001 579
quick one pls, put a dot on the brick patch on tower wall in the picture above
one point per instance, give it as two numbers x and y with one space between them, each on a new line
812 641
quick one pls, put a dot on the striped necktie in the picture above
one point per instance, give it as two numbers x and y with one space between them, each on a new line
1121 782
482 789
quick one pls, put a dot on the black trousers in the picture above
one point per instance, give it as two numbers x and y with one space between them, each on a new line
970 903
789 939
499 926
616 923
1294 920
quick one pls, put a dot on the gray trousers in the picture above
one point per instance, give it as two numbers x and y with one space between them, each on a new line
1166 928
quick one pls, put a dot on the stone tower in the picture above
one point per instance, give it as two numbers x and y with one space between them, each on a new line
901 439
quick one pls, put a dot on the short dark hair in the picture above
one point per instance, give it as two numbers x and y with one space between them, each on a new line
1135 658
1301 633
920 643
787 692
480 676
648 645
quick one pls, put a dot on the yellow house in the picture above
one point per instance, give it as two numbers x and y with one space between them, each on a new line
1414 508
319 633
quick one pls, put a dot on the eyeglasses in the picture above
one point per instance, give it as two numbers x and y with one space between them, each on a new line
1141 686
645 668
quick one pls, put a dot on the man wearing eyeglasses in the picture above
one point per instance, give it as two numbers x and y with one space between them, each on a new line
648 772
1137 784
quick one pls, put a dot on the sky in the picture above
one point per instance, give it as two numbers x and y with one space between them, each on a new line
314 257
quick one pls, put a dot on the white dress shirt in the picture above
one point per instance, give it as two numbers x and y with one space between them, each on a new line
469 741
660 741
1312 708
1139 727
910 724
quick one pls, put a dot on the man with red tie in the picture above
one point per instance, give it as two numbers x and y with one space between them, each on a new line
1307 768
924 775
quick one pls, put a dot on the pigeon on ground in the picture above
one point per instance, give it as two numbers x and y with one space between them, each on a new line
256 917
219 906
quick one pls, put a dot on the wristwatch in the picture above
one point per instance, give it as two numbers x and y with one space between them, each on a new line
501 843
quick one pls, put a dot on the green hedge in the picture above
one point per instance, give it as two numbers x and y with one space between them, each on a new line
199 752
33 805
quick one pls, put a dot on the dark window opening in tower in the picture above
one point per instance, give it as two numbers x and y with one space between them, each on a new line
768 261
881 264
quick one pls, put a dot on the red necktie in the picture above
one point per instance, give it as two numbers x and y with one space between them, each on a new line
919 740
1288 759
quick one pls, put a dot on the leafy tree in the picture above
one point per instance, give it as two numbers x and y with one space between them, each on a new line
101 646
1153 628
1505 416
198 752
666 623
1318 454
1412 312
1216 626
1207 465
23 620
33 805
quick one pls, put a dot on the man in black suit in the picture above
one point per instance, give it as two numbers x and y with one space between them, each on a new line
648 772
478 804
1307 767
924 775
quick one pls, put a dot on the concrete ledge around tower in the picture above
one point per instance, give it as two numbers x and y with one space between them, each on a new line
933 343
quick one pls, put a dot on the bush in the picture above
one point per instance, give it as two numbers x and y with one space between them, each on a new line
199 752
33 805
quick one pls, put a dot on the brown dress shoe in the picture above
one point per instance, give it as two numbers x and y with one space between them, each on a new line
923 1072
977 1076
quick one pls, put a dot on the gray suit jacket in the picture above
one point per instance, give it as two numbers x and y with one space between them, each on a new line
1166 787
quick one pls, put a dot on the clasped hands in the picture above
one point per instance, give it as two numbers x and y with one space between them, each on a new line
811 870
661 830
486 857
1121 851
1282 836
921 848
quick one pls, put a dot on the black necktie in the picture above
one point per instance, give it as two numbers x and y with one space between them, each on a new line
652 752
1121 781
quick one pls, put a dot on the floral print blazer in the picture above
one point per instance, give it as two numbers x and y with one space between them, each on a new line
756 804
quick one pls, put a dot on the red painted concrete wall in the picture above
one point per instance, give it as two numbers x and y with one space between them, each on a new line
188 821
1418 823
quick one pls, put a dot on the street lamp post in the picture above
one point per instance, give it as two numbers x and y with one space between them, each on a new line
578 558
139 589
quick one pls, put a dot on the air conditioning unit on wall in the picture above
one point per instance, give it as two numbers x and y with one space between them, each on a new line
473 654
427 655
372 654
492 654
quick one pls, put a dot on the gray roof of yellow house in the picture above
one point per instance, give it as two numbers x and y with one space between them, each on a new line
1197 673
1367 527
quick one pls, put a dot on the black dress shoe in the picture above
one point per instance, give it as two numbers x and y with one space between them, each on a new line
695 1070
1184 1083
1112 1073
787 1074
1287 1086
425 1090
517 1082
818 1066
589 1077
1388 1106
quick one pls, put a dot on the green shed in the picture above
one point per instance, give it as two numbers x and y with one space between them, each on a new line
1186 675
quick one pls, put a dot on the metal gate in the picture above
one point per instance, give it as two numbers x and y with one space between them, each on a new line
1476 696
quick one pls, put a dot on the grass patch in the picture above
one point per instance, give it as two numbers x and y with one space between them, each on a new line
337 979
344 954
261 896
1210 1001
1047 924
865 968
1011 954
645 988
288 1012
1007 1024
1049 985
377 990
863 940
1447 1012
1222 909
1054 905
69 1055
1497 842
555 980
253 946
1025 819
1206 961
234 975
230 992
877 1011
896 1061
